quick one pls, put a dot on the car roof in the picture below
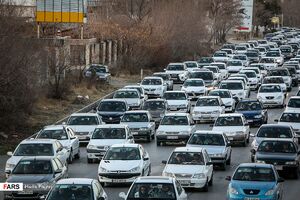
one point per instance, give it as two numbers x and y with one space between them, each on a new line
209 132
225 90
295 97
54 127
38 141
231 81
127 89
188 149
153 77
275 125
37 158
231 115
137 111
158 99
79 181
125 145
175 91
112 126
177 114
176 63
291 111
84 114
194 79
209 97
115 100
154 179
255 165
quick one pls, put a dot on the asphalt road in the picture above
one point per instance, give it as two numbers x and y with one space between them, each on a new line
80 168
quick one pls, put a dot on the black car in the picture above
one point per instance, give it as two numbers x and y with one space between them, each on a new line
38 175
112 110
282 153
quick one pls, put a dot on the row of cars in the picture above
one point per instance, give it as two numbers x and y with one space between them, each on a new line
151 110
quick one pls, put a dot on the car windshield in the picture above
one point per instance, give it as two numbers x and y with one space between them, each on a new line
213 69
109 133
240 57
232 86
256 70
220 54
269 89
135 117
254 174
267 60
207 139
175 120
222 94
273 80
154 191
97 69
275 132
126 95
33 167
83 120
241 48
193 83
34 150
229 121
290 117
113 106
203 75
191 65
175 68
234 63
163 76
262 50
286 50
151 82
277 147
122 153
249 74
251 54
220 66
208 102
58 134
205 60
186 158
283 72
273 54
249 106
175 96
294 103
260 66
292 70
154 105
71 191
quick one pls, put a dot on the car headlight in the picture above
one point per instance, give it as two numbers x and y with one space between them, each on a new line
232 190
199 176
160 132
291 163
279 97
144 128
184 132
135 169
159 89
240 93
167 174
217 155
91 147
270 192
103 170
260 161
257 116
9 166
183 106
215 112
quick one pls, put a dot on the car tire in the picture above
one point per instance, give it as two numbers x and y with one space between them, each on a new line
296 173
153 136
210 183
70 159
77 156
89 160
148 138
159 143
205 188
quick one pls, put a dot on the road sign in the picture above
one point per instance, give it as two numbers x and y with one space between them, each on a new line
61 11
247 12
275 20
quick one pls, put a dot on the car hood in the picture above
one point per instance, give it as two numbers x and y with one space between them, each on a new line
228 129
106 142
81 128
211 149
151 86
110 114
293 124
184 169
131 101
193 89
227 101
156 113
136 124
65 143
33 178
250 113
207 108
276 156
175 72
276 94
173 128
120 165
177 102
259 185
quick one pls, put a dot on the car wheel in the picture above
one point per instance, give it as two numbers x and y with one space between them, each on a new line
210 183
148 138
158 143
89 160
228 162
205 188
77 156
70 159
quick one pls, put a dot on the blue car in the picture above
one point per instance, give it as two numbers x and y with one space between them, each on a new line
252 181
253 111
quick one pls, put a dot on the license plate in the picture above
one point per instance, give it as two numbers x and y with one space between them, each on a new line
230 138
184 182
134 133
278 167
25 192
250 120
251 198
118 180
172 137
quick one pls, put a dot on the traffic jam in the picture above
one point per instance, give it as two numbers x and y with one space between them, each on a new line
232 94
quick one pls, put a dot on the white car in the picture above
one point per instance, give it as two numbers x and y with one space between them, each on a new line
241 49
293 104
65 135
215 70
155 187
140 90
194 88
175 127
83 124
123 163
269 63
234 126
208 108
37 147
275 80
154 86
131 96
220 56
222 68
261 67
252 78
236 87
140 123
191 65
226 97
104 136
191 166
291 118
243 58
271 95
285 74
177 71
216 144
177 101
234 66
277 55
257 71
69 187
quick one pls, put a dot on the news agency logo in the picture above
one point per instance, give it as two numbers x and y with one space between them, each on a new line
11 186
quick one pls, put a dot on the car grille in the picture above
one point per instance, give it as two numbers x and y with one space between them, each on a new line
172 133
275 162
26 196
120 175
149 89
251 192
82 133
269 97
196 94
183 175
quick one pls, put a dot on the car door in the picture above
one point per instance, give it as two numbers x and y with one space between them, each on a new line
60 152
208 168
180 193
228 146
62 167
73 140
146 160
246 126
130 138
58 172
151 122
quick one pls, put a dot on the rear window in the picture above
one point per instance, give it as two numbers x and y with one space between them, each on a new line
275 132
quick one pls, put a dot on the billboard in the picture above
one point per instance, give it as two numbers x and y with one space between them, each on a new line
61 11
247 12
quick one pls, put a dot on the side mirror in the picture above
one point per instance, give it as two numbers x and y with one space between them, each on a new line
130 137
58 171
228 178
146 158
122 195
165 69
209 163
141 97
280 180
152 120
252 135
276 120
253 151
164 162
8 171
9 153
228 144
101 198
